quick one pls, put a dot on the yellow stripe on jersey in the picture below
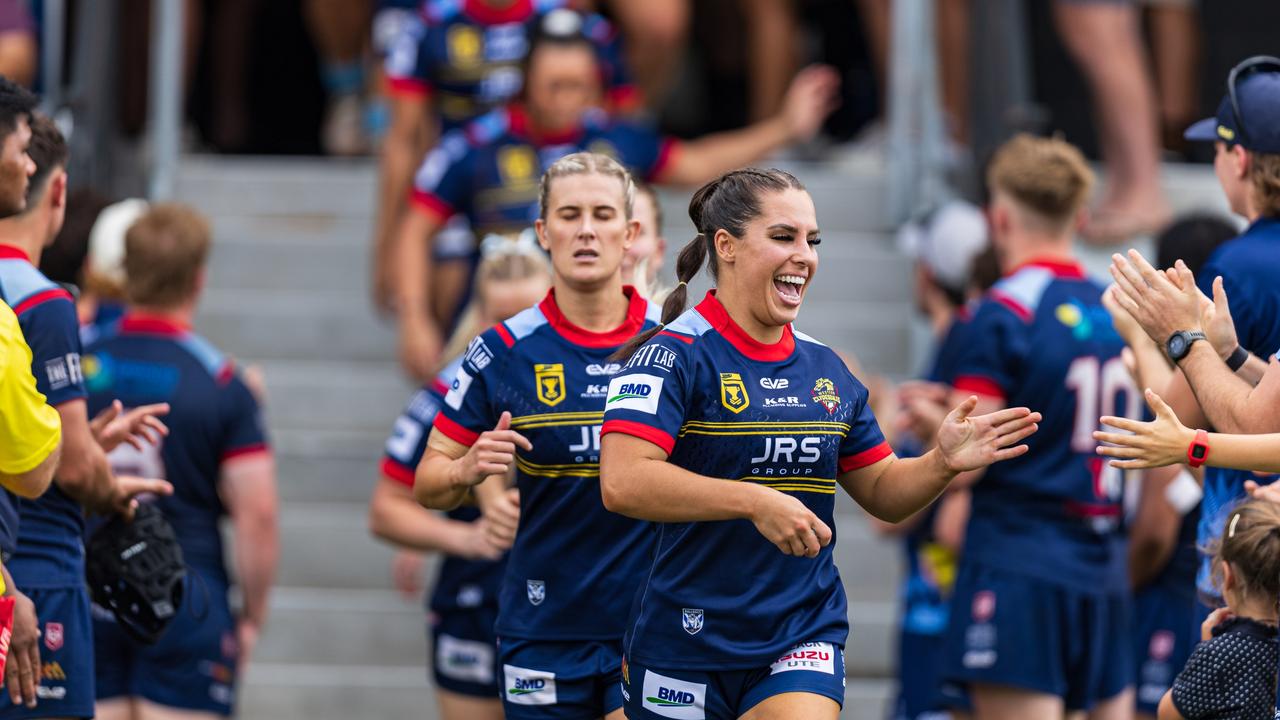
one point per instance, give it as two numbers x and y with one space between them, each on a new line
767 423
824 486
560 466
585 470
687 430
557 419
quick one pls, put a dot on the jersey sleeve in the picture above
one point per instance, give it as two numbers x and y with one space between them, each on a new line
29 427
988 363
1199 690
408 442
864 444
244 432
643 150
442 184
407 65
468 409
648 399
53 332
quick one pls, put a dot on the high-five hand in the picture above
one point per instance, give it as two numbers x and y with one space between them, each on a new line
969 443
1161 442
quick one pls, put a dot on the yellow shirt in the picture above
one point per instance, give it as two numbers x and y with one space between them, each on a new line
29 427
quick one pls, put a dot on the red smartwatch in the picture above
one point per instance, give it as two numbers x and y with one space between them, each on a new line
1198 450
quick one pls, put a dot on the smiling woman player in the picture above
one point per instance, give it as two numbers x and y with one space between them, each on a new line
732 430
530 394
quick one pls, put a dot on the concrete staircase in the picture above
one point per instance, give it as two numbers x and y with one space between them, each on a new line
288 289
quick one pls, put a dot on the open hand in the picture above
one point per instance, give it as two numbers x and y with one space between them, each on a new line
970 443
1160 305
811 97
23 671
140 425
1158 443
127 488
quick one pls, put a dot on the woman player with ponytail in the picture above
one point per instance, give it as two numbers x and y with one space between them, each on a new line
529 396
732 430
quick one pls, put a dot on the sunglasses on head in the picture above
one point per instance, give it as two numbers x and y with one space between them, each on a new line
1255 64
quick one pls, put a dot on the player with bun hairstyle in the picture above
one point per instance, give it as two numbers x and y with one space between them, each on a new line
731 431
528 398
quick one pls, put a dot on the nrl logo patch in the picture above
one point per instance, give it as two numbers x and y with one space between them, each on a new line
824 393
549 379
733 393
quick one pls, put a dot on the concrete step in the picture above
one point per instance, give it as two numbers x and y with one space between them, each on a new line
324 394
326 466
256 325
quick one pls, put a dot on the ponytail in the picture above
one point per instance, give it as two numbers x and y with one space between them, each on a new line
727 203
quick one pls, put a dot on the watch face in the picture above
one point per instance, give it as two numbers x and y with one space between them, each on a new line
1198 452
1177 346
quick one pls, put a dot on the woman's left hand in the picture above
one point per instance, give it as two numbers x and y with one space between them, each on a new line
1163 441
969 443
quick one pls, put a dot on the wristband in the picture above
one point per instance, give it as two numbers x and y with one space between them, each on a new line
1198 450
1238 358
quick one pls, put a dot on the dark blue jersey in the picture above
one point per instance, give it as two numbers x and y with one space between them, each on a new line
1249 266
213 417
788 416
49 551
489 172
1041 338
462 583
574 568
468 57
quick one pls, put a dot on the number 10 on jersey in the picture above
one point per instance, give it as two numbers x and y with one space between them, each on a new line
1098 387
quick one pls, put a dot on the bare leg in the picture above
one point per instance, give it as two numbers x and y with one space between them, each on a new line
875 21
339 29
618 714
953 68
997 702
1104 40
794 705
655 32
231 34
771 53
1176 50
1119 707
120 708
455 706
147 710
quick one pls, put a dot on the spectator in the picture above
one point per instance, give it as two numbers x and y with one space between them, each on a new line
1219 382
339 29
18 43
1175 52
655 31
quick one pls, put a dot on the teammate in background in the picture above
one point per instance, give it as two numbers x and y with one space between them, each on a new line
947 247
513 274
1162 527
489 173
217 458
49 560
732 430
645 257
529 396
449 64
1039 620
1219 383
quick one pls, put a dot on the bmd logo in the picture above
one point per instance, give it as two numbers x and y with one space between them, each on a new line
529 687
669 697
524 686
673 698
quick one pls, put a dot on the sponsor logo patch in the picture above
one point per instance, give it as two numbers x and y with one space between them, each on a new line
529 687
653 356
465 660
1161 647
814 657
53 637
672 698
478 354
733 393
549 378
458 389
984 606
788 401
774 383
692 619
597 369
536 591
637 391
824 393
64 371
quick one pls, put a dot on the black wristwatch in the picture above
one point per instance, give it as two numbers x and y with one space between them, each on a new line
1238 358
1179 343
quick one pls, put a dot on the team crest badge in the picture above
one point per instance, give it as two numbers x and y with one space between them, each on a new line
733 392
517 164
465 45
53 636
824 393
550 381
537 591
692 620
984 606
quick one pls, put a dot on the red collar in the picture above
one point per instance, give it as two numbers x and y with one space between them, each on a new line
586 338
486 14
522 126
146 324
711 309
1060 268
13 252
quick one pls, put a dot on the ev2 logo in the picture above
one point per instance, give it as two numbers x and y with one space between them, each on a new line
774 384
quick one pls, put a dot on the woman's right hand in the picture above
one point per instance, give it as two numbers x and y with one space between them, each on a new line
493 453
787 523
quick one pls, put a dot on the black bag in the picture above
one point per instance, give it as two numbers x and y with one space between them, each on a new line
135 569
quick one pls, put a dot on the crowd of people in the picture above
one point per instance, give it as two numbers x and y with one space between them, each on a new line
635 498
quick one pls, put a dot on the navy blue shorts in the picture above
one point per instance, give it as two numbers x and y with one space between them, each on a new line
464 658
920 680
1166 627
191 667
66 654
550 679
816 668
1012 630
